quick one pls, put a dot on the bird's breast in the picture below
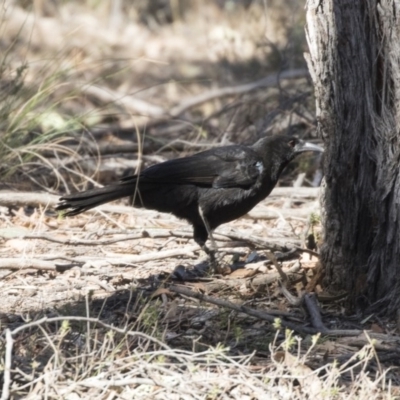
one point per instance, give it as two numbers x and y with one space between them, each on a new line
224 205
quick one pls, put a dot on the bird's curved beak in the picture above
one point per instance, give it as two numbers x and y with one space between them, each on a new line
303 146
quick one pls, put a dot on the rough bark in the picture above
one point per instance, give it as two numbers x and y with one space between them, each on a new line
354 62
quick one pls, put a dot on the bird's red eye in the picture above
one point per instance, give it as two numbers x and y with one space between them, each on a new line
292 143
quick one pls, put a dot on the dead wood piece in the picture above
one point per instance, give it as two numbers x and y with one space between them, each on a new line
310 302
273 245
20 263
124 259
21 199
293 300
83 242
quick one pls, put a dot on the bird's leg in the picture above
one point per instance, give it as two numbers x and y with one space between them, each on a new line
212 251
208 229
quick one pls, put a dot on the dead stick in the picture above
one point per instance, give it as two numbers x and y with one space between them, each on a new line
33 263
118 259
7 366
266 316
274 261
310 302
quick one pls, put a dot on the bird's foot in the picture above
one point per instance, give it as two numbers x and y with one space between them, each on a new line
216 261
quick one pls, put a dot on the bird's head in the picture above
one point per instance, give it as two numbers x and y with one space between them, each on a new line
279 150
295 146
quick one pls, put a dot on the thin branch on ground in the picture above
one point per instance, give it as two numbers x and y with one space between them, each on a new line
271 318
310 301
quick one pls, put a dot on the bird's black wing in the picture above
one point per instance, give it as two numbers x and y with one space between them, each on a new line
223 167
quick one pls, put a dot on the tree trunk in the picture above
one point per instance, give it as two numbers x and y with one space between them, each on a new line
354 62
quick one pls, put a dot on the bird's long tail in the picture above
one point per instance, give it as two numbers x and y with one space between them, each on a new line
79 202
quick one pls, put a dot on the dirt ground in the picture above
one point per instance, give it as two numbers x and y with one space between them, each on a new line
99 269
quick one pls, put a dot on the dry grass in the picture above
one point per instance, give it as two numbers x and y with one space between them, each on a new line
81 358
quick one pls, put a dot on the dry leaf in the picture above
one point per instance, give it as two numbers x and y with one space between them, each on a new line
243 273
377 328
160 291
199 286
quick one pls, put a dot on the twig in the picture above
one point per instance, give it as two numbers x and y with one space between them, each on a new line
310 302
83 242
117 259
266 316
7 366
279 245
114 259
138 234
274 261
20 199
293 300
32 263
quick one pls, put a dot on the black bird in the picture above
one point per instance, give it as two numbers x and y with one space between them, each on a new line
207 189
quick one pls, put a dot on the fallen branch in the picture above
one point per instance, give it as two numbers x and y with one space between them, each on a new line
33 263
270 317
310 302
281 245
124 259
114 259
21 199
